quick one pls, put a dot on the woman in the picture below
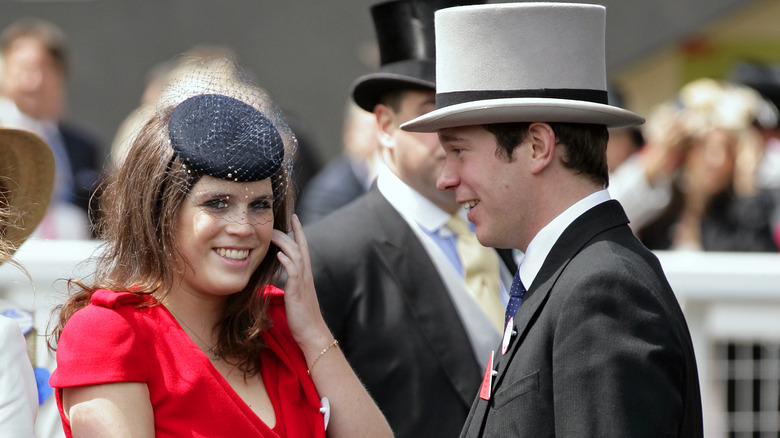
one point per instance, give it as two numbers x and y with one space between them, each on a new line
181 332
26 181
715 204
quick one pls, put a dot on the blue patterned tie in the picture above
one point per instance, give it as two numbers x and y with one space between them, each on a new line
516 294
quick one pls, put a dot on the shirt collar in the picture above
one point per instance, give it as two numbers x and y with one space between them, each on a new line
542 243
409 203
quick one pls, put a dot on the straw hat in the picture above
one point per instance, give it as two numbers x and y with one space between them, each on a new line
521 62
26 180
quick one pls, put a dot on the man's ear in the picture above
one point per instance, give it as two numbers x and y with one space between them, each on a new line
386 126
542 139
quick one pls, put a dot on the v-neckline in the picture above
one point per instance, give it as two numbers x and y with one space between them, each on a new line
223 382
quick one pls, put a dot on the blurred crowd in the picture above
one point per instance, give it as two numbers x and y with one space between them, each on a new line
702 173
33 97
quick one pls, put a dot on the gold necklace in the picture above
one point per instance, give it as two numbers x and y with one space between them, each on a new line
212 351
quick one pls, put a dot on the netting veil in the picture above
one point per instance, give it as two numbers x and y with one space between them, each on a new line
229 138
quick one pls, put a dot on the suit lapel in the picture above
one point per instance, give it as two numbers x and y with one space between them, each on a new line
576 236
419 283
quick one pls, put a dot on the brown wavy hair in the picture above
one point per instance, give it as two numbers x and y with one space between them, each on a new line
139 210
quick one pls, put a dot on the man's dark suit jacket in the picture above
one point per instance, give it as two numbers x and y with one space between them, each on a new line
85 159
386 304
335 186
602 348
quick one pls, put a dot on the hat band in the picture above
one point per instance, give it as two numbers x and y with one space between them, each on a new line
456 97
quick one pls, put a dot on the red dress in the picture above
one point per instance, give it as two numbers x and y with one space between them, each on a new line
111 341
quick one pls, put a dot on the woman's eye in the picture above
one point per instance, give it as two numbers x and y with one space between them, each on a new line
260 205
216 204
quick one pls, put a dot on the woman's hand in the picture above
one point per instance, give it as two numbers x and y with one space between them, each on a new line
353 412
303 310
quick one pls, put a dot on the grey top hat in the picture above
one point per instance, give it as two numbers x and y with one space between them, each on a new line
404 30
521 62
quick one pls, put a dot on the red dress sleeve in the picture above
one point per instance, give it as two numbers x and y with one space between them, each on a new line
102 343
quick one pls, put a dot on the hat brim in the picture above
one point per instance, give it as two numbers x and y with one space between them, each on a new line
367 91
27 177
484 112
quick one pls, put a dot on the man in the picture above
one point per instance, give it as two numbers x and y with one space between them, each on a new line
386 266
33 85
348 176
598 346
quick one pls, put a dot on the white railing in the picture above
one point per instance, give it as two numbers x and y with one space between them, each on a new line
50 263
730 298
726 297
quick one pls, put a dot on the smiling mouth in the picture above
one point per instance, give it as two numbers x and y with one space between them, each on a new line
468 205
234 254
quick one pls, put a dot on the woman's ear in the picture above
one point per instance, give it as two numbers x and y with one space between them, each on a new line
542 139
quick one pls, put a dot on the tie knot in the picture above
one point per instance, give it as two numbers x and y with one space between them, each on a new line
518 289
516 295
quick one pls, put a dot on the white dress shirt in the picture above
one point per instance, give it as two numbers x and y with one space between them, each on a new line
536 253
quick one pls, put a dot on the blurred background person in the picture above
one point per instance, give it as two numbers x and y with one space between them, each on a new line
716 203
639 171
123 137
642 181
764 79
26 180
33 89
623 143
347 176
306 163
156 79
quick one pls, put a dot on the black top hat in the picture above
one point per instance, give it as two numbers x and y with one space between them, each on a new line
407 52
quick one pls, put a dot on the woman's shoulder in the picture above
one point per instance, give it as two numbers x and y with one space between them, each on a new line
120 299
108 308
110 339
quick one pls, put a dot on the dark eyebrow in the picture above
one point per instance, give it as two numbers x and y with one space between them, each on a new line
210 194
426 102
222 194
263 197
449 138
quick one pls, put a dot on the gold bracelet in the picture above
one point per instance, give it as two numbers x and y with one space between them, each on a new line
324 350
